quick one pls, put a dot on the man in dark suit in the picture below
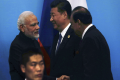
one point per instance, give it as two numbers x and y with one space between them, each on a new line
93 60
28 26
32 65
65 42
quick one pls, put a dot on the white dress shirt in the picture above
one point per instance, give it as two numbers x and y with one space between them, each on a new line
86 30
63 33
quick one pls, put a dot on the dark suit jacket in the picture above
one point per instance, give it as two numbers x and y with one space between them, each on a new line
93 60
19 44
61 62
48 78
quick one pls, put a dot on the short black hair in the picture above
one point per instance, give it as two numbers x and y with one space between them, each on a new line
82 14
29 52
62 5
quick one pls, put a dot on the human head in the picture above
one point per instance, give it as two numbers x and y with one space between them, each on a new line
60 13
28 24
80 19
32 64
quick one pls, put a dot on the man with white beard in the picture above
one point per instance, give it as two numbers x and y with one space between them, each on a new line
29 31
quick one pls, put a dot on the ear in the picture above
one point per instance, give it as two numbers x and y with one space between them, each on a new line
65 14
78 21
22 28
22 68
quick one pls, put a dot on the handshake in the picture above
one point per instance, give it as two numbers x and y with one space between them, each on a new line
64 77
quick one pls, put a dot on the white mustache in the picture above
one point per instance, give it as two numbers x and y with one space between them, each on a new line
36 31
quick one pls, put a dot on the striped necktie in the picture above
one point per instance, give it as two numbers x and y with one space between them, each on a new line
59 41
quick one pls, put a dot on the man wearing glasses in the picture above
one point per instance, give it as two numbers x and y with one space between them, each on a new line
29 31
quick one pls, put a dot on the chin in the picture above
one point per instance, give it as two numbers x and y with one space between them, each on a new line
40 78
55 27
36 36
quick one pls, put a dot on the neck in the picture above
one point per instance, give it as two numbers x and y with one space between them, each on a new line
65 25
84 27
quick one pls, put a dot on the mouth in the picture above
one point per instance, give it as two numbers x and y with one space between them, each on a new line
53 23
39 75
36 32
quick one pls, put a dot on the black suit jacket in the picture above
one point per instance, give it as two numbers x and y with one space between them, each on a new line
19 44
93 60
62 59
48 78
45 77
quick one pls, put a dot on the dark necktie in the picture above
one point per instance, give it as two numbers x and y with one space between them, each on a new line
59 41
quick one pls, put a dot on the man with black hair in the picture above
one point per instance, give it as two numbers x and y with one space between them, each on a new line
93 60
32 65
65 42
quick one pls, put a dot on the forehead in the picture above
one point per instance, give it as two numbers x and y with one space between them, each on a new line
31 18
36 58
54 10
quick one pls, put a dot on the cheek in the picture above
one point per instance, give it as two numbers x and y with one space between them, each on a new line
57 19
32 29
76 28
43 67
30 70
73 26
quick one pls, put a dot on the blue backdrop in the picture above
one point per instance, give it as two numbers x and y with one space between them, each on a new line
9 13
106 18
105 15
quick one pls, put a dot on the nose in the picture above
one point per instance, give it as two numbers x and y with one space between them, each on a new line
37 27
38 67
51 19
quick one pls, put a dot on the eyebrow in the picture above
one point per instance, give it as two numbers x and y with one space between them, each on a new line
52 13
36 23
33 24
41 61
36 62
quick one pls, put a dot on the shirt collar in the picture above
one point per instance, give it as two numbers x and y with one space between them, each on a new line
65 30
86 30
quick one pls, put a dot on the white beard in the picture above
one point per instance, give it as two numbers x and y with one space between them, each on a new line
36 36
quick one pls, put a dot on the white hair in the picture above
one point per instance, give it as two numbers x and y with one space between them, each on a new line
22 17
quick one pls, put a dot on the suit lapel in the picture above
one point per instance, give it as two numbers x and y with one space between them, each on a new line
55 43
66 38
54 48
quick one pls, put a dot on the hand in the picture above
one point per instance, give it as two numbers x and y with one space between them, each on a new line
59 78
64 77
